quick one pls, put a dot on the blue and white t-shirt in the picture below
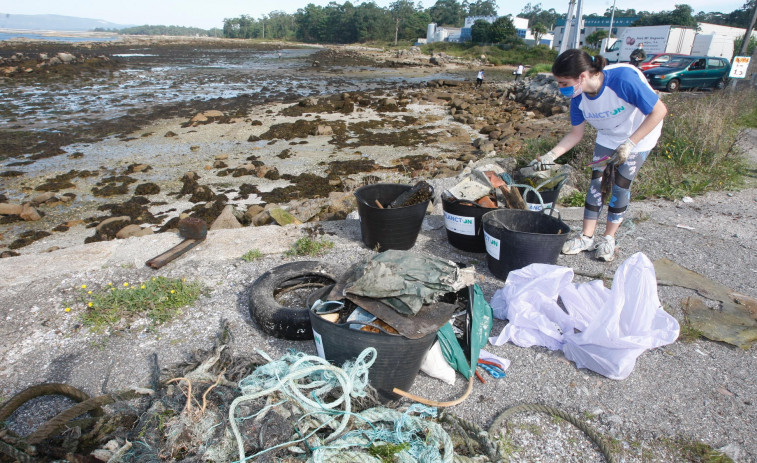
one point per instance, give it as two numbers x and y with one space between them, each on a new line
619 108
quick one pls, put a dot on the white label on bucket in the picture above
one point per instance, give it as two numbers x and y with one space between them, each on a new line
319 344
459 224
537 207
492 245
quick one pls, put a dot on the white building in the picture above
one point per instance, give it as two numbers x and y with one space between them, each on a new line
442 34
470 20
521 28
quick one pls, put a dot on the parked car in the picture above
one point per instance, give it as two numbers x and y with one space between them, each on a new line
689 72
658 59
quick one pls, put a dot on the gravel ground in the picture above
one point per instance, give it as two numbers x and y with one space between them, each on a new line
700 391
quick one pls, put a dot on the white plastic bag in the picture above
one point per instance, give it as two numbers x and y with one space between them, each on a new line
435 365
529 302
630 321
601 329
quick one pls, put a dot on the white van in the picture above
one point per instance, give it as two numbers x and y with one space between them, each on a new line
713 45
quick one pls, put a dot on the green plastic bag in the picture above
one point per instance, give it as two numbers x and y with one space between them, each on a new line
480 313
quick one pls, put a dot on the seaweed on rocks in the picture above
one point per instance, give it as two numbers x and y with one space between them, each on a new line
28 237
303 186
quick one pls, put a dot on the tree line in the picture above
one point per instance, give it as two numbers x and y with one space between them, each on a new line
404 20
165 30
348 23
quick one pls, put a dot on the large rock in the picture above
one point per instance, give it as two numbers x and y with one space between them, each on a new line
29 214
226 220
133 230
66 58
306 210
42 198
261 218
10 209
340 204
252 211
282 217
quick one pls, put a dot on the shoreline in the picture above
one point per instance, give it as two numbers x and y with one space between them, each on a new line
392 134
684 394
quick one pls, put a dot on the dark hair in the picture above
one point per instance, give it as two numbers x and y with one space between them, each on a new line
571 63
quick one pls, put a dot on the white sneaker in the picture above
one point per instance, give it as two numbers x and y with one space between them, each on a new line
605 249
577 244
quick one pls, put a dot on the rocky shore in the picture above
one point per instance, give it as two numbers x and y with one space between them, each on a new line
245 160
303 158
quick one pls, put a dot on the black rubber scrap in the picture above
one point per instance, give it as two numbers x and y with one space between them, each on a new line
292 323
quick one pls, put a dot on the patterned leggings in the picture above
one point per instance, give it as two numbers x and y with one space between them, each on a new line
621 190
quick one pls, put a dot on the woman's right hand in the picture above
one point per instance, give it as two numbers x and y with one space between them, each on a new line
543 162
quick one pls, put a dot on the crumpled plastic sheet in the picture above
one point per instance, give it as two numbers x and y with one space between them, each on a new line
406 281
604 330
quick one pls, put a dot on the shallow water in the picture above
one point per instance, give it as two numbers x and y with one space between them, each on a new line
152 77
100 111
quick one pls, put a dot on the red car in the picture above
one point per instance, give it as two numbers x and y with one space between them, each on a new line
658 59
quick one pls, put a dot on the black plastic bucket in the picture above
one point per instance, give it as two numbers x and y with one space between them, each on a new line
398 359
462 219
548 197
515 238
394 228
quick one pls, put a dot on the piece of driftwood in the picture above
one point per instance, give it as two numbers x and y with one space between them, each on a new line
513 199
194 230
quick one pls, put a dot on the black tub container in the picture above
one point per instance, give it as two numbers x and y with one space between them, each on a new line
462 220
548 197
515 238
395 228
398 359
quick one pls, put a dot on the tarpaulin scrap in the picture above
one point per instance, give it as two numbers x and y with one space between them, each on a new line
406 281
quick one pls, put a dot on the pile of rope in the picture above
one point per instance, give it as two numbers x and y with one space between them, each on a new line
218 408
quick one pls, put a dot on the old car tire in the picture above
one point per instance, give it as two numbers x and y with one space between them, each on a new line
673 85
721 84
278 320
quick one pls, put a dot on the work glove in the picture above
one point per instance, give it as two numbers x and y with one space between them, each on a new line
621 153
543 162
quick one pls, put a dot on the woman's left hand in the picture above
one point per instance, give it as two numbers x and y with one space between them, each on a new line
621 153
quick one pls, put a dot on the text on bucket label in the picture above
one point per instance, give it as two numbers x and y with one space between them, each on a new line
459 224
492 245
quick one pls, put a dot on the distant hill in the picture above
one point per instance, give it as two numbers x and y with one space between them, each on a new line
54 22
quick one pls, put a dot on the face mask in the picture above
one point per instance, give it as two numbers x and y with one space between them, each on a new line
572 92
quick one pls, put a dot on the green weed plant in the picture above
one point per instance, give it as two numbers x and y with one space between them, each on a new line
307 246
159 299
696 152
251 255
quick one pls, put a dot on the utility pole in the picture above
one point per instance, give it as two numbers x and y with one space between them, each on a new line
576 43
748 34
568 20
612 17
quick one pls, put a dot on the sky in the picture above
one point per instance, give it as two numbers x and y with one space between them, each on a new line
207 14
